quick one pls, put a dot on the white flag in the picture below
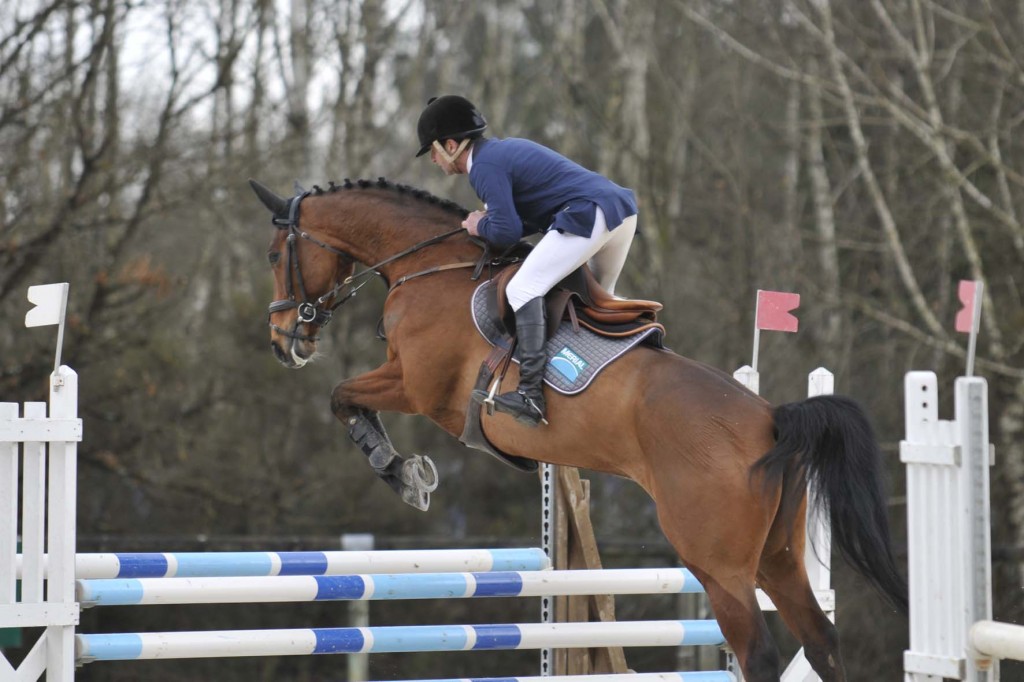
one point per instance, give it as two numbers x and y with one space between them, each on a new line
50 301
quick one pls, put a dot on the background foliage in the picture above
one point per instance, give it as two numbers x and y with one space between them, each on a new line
866 154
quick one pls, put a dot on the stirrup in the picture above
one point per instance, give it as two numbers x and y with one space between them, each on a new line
529 413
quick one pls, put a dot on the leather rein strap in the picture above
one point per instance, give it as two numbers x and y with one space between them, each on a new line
430 271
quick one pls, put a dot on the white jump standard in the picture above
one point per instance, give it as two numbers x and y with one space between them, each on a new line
949 538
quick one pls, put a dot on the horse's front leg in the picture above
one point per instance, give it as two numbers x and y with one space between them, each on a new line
356 402
413 478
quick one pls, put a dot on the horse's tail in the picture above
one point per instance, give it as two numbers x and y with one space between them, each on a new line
829 441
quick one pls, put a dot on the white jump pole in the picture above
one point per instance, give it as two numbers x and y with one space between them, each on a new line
312 641
718 676
211 564
244 590
997 640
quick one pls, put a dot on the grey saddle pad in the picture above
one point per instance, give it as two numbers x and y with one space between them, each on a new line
575 357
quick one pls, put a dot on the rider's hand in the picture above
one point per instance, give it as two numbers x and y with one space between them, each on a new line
472 220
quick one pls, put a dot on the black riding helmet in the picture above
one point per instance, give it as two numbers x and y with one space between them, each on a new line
446 118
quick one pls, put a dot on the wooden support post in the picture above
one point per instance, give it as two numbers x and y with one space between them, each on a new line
576 549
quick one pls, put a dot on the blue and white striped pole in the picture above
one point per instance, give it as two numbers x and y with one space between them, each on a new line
709 676
209 564
122 592
304 642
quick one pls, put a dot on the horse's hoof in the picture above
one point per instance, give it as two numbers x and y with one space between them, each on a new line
416 498
419 473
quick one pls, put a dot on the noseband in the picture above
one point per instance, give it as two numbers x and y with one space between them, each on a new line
318 312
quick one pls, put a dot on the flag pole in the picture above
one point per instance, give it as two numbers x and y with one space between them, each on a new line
757 331
60 333
757 343
51 302
972 342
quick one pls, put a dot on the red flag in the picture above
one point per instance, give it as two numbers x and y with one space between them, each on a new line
773 311
965 318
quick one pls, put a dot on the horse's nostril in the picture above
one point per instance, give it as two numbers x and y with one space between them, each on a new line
278 353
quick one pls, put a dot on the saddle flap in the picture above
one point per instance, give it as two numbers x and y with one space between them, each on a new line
501 307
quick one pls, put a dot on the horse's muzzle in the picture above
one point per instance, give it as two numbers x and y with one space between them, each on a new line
294 354
281 356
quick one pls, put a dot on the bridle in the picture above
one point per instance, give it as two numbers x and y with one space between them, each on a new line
319 312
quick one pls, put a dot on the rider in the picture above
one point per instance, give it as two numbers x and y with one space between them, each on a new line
527 188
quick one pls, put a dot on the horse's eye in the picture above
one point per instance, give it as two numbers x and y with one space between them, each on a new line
273 257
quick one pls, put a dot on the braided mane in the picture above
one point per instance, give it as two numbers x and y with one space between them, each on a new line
382 183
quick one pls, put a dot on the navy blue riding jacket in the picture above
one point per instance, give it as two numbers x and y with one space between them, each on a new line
529 188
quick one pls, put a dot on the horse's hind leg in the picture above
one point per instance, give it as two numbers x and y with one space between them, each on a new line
734 604
783 577
725 561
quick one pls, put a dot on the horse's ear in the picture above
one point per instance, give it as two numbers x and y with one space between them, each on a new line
277 205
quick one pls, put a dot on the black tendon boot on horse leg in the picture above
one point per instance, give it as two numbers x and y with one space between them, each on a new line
413 478
526 403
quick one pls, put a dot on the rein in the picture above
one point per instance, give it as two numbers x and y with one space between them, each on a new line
316 312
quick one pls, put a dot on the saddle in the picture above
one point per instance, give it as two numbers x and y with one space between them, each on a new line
585 303
588 328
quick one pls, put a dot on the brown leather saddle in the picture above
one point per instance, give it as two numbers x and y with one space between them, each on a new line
585 303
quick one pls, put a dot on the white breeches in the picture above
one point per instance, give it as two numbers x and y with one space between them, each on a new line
558 254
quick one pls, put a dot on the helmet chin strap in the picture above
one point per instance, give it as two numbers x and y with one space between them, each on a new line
450 158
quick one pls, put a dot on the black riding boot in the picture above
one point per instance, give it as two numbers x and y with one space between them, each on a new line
526 403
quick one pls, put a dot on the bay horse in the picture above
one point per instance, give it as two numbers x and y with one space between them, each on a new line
727 472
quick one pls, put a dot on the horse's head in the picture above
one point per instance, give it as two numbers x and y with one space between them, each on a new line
309 280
